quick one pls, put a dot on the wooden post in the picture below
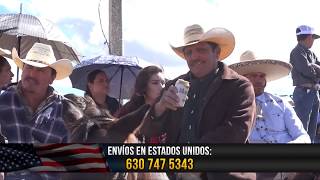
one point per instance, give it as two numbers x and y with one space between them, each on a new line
115 27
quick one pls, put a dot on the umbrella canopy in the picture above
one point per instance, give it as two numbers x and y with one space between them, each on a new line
121 71
22 31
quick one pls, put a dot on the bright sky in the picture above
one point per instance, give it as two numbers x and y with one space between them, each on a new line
266 27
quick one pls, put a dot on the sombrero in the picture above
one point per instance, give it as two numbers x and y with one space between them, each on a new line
274 69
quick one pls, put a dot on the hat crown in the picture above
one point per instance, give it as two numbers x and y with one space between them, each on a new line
41 53
304 29
193 33
247 55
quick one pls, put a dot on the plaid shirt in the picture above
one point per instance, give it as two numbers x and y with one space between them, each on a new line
20 125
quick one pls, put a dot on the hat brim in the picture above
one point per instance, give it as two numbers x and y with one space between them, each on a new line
315 36
220 36
63 67
274 69
4 52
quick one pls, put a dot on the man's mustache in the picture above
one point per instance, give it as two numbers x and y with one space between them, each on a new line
259 85
32 80
194 62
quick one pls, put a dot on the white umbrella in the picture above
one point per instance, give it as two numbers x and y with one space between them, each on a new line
121 70
22 31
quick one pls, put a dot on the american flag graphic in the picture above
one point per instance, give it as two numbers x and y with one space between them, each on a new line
52 158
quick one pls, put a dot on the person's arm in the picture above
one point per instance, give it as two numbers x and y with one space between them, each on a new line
295 126
119 129
157 116
299 61
239 120
152 124
316 65
168 100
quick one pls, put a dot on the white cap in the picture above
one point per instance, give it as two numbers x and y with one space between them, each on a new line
304 29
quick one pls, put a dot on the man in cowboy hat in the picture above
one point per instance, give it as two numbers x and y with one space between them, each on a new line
220 106
31 111
305 74
276 120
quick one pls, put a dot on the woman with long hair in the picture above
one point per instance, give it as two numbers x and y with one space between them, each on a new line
149 84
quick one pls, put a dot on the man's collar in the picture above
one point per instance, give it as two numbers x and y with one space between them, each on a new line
261 97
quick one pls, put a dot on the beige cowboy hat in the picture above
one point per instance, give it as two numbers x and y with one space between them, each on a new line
41 55
274 69
194 34
4 52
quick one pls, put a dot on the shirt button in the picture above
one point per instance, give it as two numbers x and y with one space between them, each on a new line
189 127
191 112
194 96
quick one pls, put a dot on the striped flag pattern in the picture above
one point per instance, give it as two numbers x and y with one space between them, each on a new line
63 157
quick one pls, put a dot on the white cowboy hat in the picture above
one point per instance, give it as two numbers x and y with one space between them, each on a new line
274 69
194 34
4 52
41 55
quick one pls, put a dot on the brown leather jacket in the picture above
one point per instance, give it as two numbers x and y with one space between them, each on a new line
227 115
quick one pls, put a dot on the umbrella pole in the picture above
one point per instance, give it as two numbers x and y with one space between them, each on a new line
122 69
19 42
19 50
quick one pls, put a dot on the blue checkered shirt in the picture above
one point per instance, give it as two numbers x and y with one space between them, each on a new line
20 125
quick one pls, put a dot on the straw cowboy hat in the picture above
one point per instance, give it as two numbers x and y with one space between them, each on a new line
4 52
274 69
41 55
194 34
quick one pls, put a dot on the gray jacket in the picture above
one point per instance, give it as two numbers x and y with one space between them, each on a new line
304 66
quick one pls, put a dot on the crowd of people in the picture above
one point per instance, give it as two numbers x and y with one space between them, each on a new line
225 104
